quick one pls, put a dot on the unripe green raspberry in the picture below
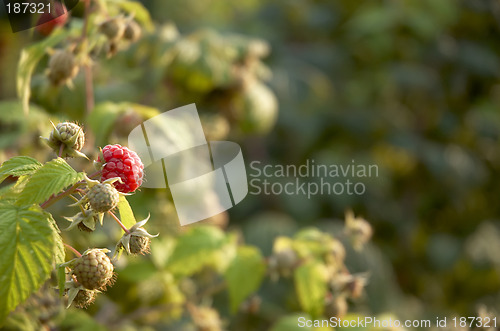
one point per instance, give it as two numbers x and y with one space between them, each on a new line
103 197
84 298
255 108
215 126
139 245
67 139
69 134
62 67
132 31
113 28
206 318
336 307
93 270
286 260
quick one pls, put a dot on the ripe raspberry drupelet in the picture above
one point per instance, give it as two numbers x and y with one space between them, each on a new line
119 161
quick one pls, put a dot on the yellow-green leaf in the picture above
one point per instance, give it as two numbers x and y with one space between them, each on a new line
195 249
244 275
50 179
126 213
19 166
28 244
311 286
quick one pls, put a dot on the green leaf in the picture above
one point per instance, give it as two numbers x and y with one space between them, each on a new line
28 61
61 279
126 213
12 191
244 275
195 249
311 286
18 166
59 252
312 242
50 179
27 242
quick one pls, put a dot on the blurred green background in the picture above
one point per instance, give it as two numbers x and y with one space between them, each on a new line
412 86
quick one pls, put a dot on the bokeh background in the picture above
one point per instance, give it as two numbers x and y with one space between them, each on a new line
412 86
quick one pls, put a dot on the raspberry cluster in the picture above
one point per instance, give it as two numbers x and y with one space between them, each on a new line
119 161
121 172
117 30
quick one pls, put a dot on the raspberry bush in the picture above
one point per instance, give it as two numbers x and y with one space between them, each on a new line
409 85
75 257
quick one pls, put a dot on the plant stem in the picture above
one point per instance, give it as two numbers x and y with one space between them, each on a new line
95 174
53 199
89 87
119 222
71 248
61 149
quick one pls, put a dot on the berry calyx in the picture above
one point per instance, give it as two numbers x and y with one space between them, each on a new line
136 240
119 161
85 221
84 298
103 197
93 270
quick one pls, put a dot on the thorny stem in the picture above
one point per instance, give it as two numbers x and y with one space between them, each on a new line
53 199
71 248
95 174
119 222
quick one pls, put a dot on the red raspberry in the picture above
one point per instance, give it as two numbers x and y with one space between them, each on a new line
124 163
48 21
